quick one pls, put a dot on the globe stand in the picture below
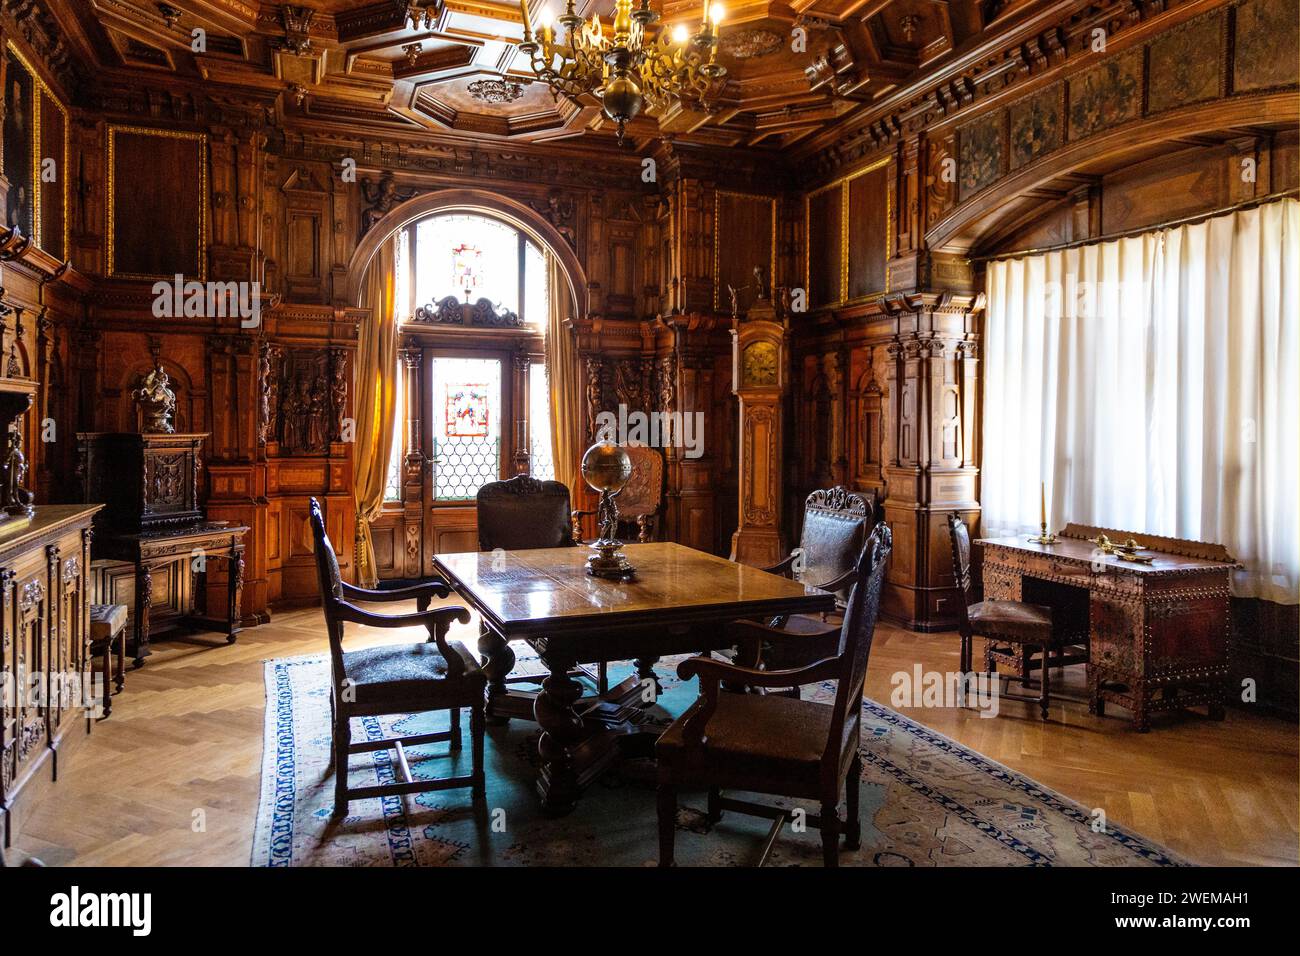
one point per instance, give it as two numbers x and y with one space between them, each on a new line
608 561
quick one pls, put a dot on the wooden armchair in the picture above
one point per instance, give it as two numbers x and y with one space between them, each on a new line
641 500
778 745
834 531
522 513
396 678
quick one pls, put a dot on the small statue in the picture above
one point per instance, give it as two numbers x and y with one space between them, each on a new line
339 394
317 416
157 401
17 499
759 284
382 196
607 516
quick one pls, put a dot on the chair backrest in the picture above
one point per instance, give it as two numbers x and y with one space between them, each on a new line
523 513
331 587
856 633
644 491
834 529
960 539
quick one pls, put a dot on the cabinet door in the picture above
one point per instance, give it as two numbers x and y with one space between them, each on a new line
31 664
69 633
8 717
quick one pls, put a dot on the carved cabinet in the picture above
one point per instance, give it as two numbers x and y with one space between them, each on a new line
44 639
145 480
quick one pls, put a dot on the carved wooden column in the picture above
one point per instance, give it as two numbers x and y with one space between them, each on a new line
932 413
759 380
414 464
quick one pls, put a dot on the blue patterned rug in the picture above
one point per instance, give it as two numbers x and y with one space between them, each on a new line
926 801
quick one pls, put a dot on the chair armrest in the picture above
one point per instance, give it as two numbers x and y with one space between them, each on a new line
468 663
785 568
435 587
749 637
437 622
848 578
712 672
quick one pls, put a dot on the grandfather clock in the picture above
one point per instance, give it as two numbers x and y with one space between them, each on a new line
758 376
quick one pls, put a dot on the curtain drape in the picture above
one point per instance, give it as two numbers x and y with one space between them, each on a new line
376 405
562 377
1153 384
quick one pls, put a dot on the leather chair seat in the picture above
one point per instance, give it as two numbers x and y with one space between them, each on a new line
755 742
1029 623
397 672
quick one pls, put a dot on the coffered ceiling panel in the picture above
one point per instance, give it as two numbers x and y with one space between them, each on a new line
454 65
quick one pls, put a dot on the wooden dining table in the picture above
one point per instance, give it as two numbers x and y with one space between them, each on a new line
678 602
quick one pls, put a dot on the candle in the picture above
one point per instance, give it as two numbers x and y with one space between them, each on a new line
1043 502
528 26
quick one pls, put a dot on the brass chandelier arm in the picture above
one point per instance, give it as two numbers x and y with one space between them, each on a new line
624 66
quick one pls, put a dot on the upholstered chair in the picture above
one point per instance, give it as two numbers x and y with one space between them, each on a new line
396 679
834 531
640 503
769 744
522 513
1001 623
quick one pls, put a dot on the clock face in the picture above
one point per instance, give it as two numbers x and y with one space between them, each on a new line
759 364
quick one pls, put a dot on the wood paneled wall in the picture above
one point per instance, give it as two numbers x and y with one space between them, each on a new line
1182 113
880 220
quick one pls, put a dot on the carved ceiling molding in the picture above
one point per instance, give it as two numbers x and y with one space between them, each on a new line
749 44
457 162
34 22
495 91
1018 56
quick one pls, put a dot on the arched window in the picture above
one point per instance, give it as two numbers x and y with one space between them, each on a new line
470 256
473 404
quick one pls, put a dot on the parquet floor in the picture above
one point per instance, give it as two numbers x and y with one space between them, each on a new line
172 777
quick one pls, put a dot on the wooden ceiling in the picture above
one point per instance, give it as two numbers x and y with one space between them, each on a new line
384 64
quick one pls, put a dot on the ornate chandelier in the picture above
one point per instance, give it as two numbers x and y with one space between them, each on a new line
627 68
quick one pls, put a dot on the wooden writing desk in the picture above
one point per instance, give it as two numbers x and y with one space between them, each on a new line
1151 627
678 603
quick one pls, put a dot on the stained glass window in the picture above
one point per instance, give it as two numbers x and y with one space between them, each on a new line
466 397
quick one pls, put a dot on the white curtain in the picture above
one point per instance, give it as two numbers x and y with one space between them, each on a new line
1153 384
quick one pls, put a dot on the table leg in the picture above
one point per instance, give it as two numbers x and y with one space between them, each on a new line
143 601
498 661
236 595
645 670
562 729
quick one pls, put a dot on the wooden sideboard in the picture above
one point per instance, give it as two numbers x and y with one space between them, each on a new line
1157 633
44 641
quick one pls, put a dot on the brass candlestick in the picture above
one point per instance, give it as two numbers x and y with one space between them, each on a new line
1043 537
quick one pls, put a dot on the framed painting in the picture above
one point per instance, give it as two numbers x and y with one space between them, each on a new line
161 176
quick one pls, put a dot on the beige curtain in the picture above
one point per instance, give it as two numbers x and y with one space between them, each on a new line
1151 384
562 377
376 392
